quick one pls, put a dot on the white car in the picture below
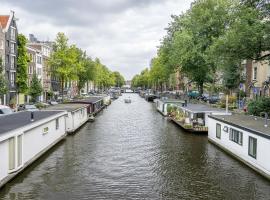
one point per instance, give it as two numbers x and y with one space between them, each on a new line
5 110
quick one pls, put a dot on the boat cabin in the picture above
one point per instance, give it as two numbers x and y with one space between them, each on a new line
94 104
194 117
76 115
247 138
163 104
25 136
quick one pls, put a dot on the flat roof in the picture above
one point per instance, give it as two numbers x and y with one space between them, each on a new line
199 108
20 119
88 100
246 122
172 101
66 106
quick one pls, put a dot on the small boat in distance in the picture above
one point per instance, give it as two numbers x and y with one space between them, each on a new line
128 100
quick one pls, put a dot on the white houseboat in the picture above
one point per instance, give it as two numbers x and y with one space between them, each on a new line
76 115
245 137
194 117
163 104
25 136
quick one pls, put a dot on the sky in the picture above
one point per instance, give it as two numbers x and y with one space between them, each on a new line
124 34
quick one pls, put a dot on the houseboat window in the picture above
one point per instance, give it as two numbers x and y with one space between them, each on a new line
218 131
252 147
11 153
57 123
19 150
45 130
236 136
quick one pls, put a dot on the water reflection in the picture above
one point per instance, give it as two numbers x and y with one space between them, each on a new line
132 152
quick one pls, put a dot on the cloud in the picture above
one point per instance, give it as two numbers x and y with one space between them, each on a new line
124 34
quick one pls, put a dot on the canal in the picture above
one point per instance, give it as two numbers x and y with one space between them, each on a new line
132 152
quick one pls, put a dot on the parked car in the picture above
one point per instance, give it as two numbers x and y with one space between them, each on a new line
5 110
31 108
53 103
213 99
193 94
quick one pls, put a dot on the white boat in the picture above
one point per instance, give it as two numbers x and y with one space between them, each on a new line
128 100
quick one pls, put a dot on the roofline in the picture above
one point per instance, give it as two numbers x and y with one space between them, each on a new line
35 123
206 111
242 127
9 21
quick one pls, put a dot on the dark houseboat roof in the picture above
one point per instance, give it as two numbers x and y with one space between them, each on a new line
246 122
201 108
70 107
176 101
20 119
88 100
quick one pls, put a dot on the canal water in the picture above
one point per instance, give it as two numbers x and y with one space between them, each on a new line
132 152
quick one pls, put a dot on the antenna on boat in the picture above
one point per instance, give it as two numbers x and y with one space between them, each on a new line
227 102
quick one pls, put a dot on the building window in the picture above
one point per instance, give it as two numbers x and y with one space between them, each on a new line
218 131
252 147
57 124
39 71
13 34
255 71
236 136
38 59
12 62
12 48
12 79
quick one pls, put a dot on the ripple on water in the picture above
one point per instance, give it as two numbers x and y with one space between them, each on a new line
132 152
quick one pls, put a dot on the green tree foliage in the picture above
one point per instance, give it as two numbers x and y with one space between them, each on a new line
22 65
89 72
65 60
247 35
35 89
119 79
3 82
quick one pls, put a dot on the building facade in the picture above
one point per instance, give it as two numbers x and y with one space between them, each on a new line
45 51
2 57
8 24
257 78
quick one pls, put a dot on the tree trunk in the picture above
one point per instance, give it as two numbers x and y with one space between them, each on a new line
200 87
62 89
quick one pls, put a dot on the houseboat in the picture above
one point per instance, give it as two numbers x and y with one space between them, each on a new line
194 117
76 115
163 104
94 104
247 138
25 136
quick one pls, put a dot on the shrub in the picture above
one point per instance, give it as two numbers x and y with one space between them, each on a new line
255 107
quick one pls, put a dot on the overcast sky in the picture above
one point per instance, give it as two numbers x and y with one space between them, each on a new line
124 34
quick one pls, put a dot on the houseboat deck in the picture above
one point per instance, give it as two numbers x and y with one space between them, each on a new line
69 107
195 129
21 119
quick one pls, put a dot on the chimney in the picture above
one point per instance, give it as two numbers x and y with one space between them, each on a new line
32 116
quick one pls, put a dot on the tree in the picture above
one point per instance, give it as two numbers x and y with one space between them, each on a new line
195 33
88 74
65 60
247 35
3 82
35 89
22 65
119 79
